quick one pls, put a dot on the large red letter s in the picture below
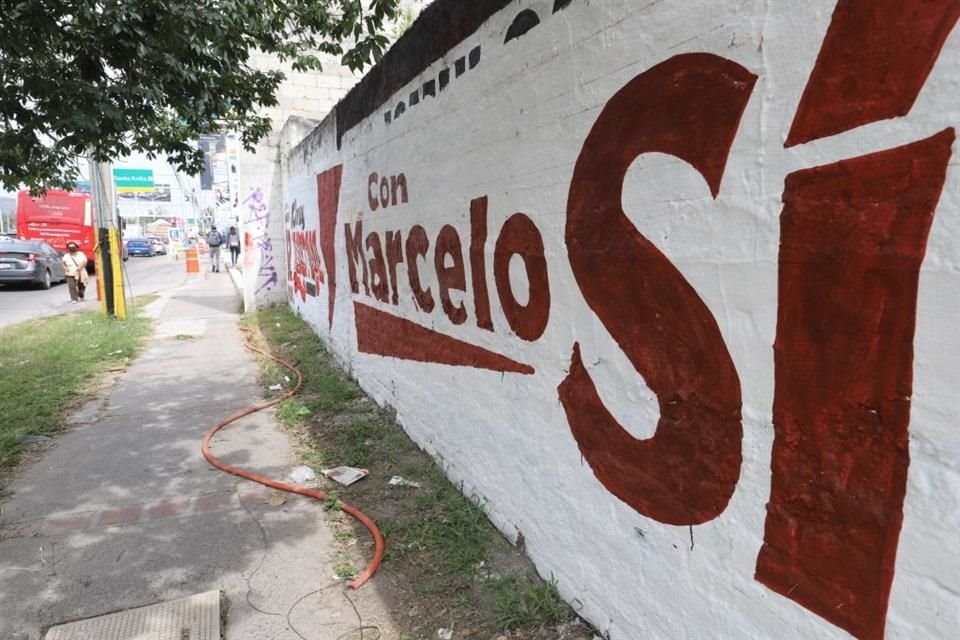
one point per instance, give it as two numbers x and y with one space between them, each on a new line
689 107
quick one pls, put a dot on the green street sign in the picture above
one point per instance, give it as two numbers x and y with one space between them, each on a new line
133 180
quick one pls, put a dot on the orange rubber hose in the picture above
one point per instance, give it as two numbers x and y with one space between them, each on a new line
379 546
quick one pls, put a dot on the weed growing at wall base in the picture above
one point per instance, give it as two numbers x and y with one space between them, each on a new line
518 603
446 566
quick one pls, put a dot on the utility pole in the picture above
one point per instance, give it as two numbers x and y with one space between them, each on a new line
109 251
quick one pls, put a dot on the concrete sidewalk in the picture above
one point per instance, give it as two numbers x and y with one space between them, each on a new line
123 510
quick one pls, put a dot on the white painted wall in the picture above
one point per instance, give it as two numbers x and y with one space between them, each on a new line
511 129
306 95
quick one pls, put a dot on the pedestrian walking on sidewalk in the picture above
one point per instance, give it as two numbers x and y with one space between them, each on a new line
233 241
75 266
214 240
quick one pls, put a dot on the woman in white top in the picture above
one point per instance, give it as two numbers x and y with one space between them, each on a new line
75 266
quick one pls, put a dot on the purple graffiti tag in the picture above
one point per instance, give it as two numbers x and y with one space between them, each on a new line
267 276
257 208
258 216
267 273
256 199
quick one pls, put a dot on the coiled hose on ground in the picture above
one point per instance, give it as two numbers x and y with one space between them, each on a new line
316 494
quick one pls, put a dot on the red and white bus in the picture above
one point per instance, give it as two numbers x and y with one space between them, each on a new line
57 218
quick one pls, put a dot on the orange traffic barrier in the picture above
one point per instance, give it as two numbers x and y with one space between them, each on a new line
193 261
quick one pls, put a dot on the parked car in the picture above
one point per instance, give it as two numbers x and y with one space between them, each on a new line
140 247
158 245
30 262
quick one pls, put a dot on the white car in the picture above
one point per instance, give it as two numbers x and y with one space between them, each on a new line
158 246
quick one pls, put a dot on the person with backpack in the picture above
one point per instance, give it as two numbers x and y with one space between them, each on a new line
214 240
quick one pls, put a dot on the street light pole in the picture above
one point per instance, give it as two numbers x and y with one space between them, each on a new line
110 280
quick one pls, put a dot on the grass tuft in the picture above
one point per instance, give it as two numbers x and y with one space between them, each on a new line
332 503
290 411
343 567
524 602
353 441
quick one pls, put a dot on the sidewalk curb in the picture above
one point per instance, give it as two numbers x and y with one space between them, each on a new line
237 276
155 308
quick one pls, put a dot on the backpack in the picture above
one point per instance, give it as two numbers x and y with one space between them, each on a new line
214 239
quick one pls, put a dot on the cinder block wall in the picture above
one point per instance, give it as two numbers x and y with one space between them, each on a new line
672 286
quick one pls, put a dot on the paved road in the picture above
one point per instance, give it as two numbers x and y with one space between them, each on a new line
145 275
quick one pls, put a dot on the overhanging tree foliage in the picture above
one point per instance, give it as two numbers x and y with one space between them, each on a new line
115 76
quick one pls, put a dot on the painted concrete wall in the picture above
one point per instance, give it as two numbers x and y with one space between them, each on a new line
303 96
674 288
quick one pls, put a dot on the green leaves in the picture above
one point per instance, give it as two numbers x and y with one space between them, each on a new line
116 76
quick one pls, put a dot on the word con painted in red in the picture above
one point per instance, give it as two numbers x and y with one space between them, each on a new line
386 192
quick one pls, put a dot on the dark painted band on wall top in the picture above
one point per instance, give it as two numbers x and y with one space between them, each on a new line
443 25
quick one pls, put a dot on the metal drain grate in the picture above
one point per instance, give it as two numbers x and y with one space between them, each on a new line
192 618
